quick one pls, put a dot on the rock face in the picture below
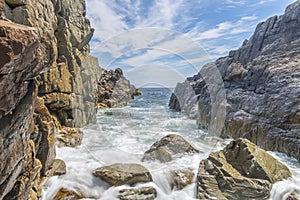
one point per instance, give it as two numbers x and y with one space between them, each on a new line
123 174
142 193
240 171
23 56
114 90
262 86
167 148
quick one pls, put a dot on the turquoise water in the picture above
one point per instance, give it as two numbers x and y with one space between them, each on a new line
122 135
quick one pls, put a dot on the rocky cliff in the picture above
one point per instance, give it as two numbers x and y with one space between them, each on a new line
48 81
261 81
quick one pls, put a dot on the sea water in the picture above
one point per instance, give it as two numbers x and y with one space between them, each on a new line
122 135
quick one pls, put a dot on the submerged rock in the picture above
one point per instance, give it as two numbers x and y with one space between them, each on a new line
240 171
141 193
69 137
181 179
58 168
123 174
168 147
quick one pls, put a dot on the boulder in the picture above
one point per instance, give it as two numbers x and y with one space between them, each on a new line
167 148
240 171
141 193
69 137
123 174
58 168
65 194
181 178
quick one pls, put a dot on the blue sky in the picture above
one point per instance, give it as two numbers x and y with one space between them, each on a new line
163 41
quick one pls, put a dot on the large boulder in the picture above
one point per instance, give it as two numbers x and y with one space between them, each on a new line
254 92
240 171
123 174
168 147
141 193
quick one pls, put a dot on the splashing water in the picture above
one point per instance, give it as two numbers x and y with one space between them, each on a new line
122 135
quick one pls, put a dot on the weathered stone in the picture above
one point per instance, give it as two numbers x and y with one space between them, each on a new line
181 178
15 3
141 193
168 147
65 194
114 90
58 168
260 85
23 56
44 135
293 196
123 174
70 137
240 171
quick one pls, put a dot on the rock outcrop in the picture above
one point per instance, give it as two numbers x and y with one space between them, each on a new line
123 174
167 148
240 171
261 84
114 90
23 56
48 81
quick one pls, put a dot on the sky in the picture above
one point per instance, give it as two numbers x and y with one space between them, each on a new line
161 42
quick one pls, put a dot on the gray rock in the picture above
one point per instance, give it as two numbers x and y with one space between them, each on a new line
167 148
240 171
123 174
141 193
181 178
259 96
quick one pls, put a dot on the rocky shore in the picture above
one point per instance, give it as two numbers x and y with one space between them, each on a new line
49 82
261 87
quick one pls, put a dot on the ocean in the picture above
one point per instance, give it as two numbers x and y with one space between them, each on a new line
122 135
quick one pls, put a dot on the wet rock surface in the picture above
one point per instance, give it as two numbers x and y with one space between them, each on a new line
69 137
181 178
167 148
123 174
141 193
260 86
65 194
240 171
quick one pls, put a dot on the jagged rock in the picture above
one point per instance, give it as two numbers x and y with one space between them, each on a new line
240 171
70 137
123 174
168 147
258 90
141 193
293 196
65 194
44 135
114 90
181 178
23 56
